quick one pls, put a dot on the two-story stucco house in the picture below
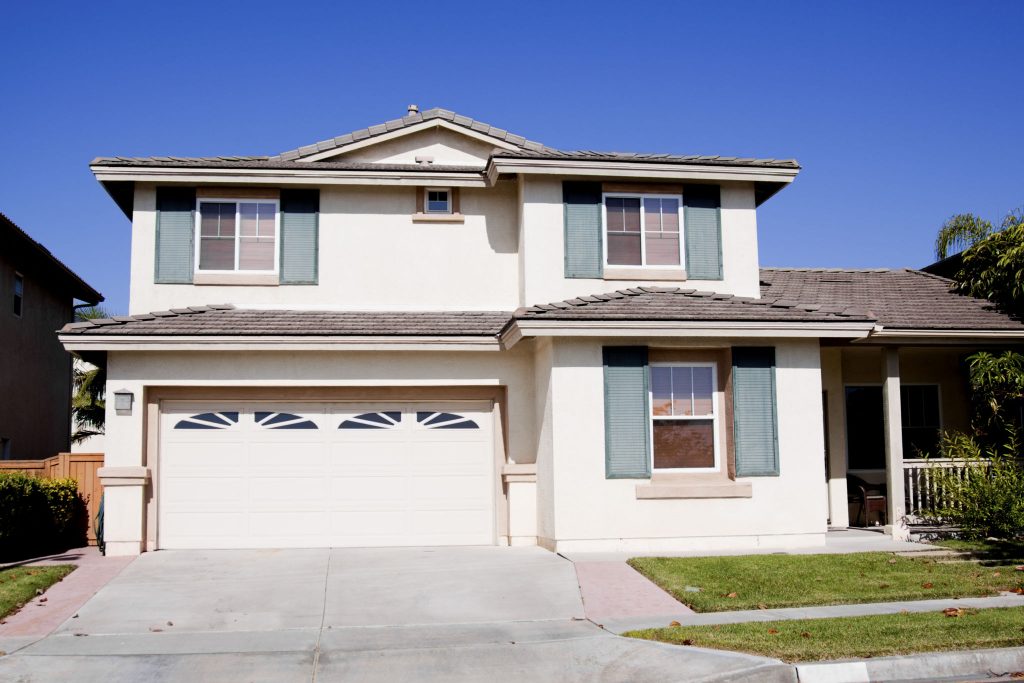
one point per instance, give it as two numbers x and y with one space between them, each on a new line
434 331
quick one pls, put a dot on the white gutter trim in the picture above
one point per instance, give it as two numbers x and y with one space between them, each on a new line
629 169
94 342
917 336
285 176
675 328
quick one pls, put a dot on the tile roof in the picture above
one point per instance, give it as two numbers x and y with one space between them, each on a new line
12 236
897 299
695 159
683 304
226 320
526 149
411 120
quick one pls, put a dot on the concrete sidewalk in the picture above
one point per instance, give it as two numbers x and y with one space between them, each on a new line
687 617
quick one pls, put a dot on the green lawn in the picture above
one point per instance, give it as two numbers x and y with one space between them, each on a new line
19 584
770 581
849 637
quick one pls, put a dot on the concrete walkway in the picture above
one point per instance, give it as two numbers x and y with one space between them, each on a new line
451 614
43 615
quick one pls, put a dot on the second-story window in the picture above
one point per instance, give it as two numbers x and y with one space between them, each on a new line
237 235
438 200
643 230
19 294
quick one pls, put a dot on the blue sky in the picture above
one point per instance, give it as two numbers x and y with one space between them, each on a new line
901 113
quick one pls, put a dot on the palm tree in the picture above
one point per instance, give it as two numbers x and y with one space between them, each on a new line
960 232
88 408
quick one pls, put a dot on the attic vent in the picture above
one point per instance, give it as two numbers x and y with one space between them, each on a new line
413 109
424 160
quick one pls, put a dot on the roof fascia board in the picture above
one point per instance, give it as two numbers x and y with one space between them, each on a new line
286 177
402 132
628 169
79 343
943 337
688 328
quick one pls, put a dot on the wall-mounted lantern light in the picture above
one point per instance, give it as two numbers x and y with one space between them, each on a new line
123 401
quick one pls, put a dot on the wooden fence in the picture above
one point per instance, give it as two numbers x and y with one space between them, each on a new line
81 467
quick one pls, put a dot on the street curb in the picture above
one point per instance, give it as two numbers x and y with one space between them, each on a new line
914 667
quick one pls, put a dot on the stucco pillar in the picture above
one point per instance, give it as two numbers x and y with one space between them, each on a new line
892 412
835 446
124 502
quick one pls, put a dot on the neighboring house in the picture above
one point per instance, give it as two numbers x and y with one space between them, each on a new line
37 297
434 331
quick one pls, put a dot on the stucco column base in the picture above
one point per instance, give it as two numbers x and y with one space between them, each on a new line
899 531
124 508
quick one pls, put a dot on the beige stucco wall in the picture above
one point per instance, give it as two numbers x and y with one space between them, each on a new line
581 510
542 245
373 256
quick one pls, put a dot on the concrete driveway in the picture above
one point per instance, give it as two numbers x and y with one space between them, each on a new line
451 614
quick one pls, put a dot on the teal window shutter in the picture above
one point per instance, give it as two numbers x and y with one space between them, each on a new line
702 226
175 210
300 212
584 256
626 413
755 417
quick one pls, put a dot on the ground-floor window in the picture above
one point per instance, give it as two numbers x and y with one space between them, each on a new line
865 424
684 417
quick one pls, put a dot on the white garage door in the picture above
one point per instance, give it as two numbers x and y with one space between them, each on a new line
302 475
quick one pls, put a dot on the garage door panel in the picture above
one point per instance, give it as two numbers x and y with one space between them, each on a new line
364 490
204 523
308 524
282 474
268 456
193 490
293 490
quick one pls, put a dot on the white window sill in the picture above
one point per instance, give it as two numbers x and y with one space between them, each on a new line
438 218
251 279
616 273
711 489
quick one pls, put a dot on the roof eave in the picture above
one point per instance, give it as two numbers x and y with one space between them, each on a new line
776 176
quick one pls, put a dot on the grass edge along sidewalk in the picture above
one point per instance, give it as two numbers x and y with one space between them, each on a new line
19 585
726 583
808 640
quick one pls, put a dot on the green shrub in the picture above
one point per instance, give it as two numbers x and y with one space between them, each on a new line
987 500
39 516
68 511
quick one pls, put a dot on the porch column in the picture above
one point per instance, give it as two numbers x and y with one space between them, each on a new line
892 412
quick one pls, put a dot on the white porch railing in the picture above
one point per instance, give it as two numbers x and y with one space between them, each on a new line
924 493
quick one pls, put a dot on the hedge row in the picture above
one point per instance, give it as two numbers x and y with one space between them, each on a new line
39 516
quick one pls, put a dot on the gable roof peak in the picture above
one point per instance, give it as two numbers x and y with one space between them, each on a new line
413 117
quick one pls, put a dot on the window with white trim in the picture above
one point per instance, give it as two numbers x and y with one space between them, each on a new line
19 294
684 417
237 235
438 200
643 230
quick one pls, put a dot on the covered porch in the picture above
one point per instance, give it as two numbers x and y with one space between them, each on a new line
885 408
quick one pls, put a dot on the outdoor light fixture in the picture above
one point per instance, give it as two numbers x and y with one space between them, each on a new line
123 401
